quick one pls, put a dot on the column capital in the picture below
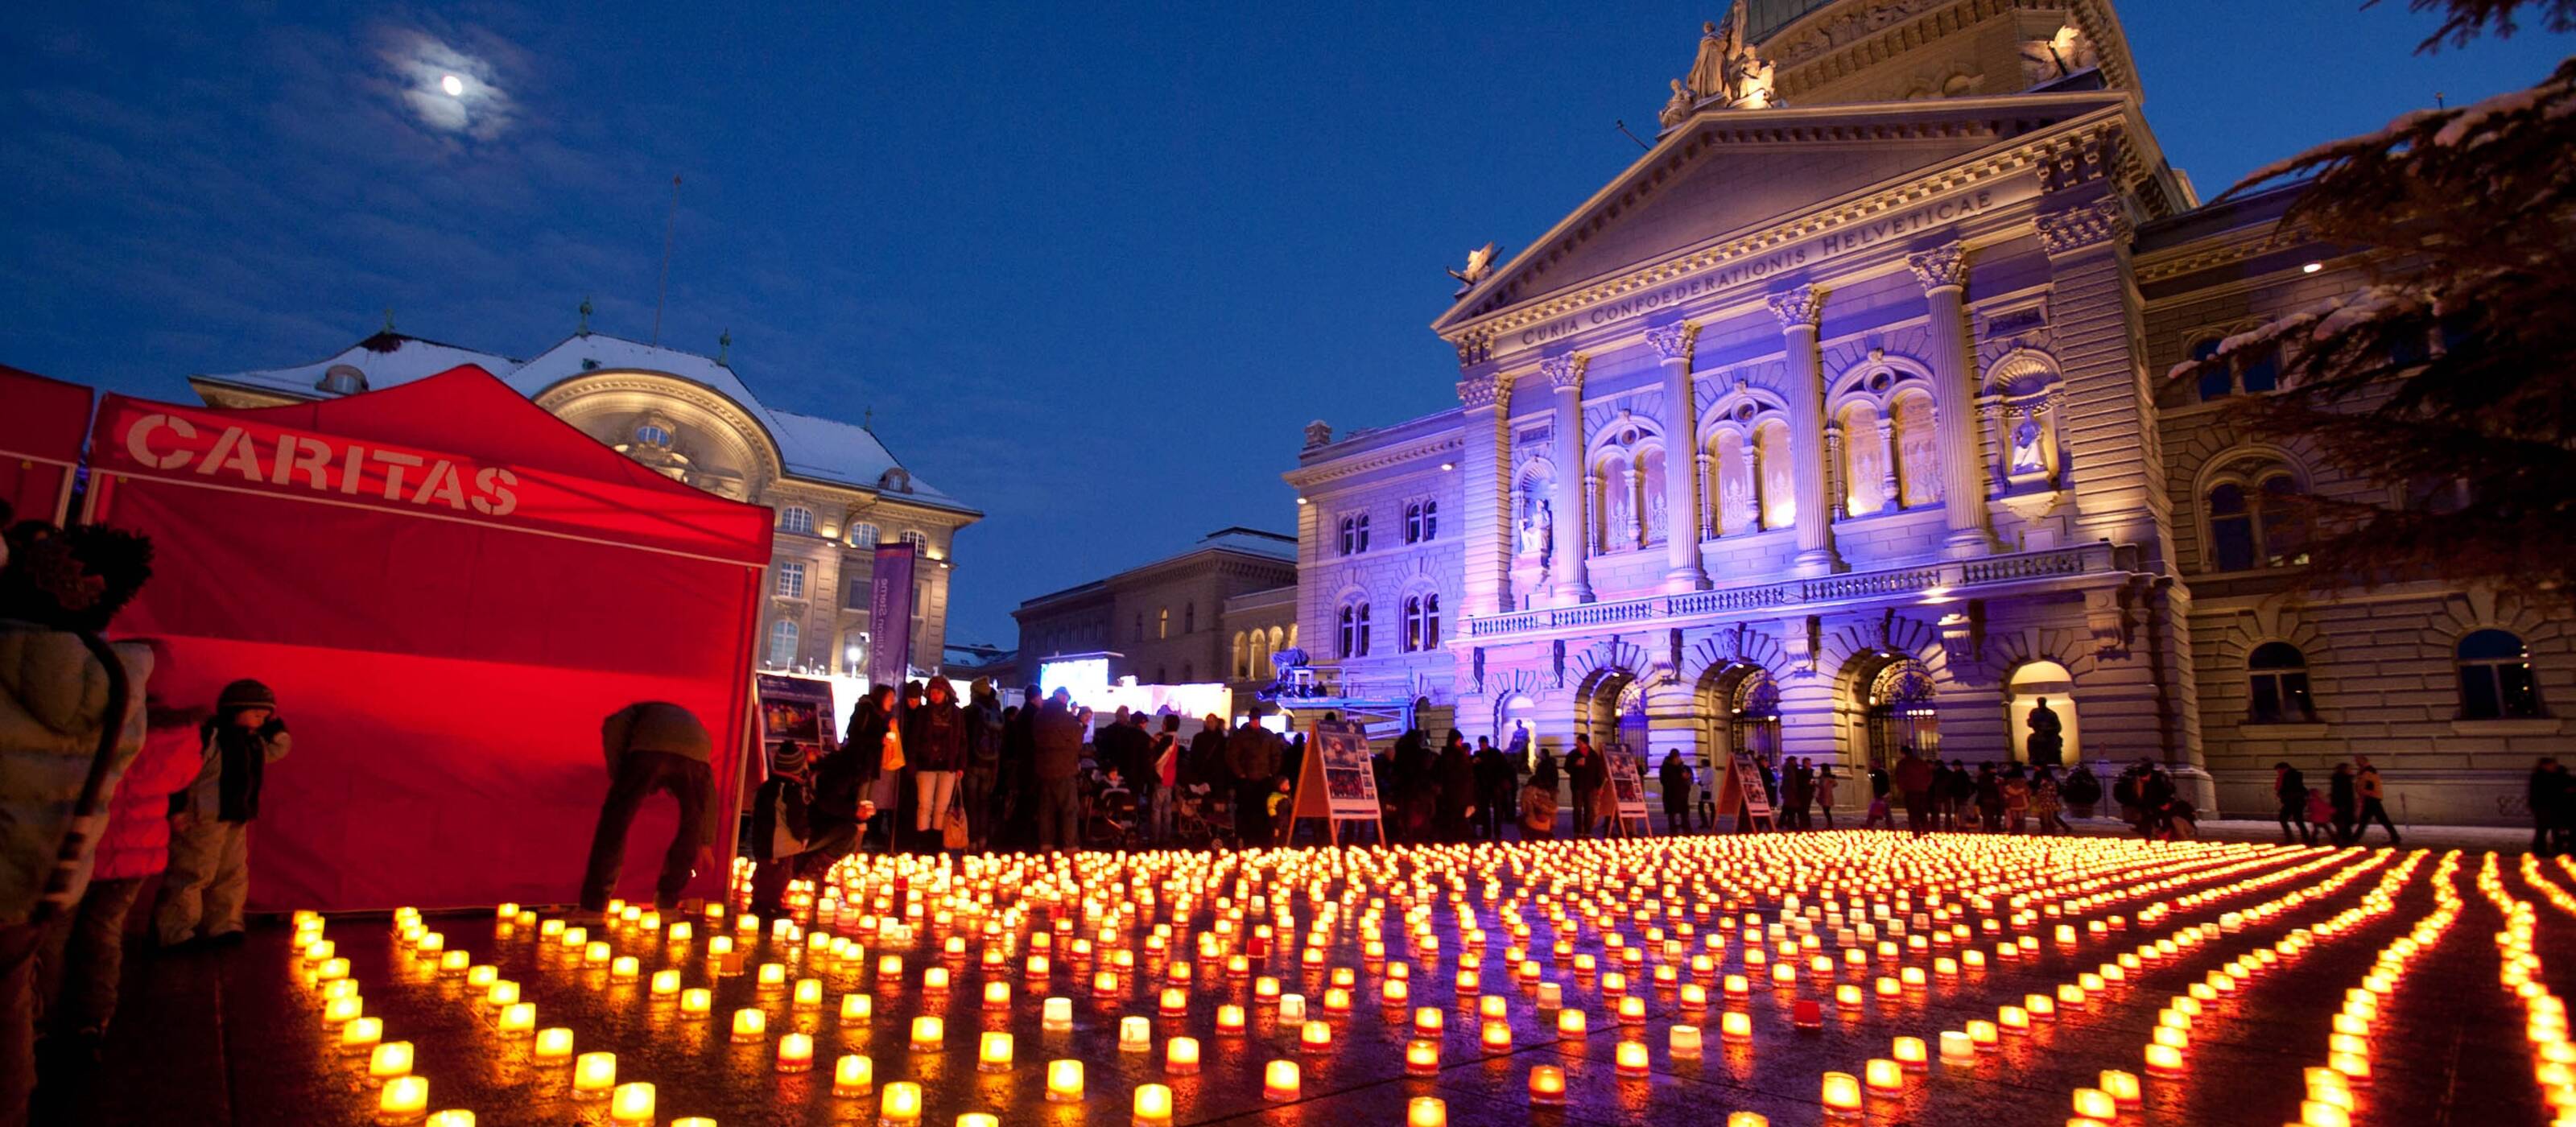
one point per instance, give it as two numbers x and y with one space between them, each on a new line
2086 225
1474 349
1800 307
1674 342
1941 266
1564 371
1477 392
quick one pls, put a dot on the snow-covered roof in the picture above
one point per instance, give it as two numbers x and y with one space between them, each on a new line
813 448
1251 540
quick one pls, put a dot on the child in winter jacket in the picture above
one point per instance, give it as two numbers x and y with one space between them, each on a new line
790 838
209 870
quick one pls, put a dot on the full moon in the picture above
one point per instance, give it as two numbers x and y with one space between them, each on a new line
454 86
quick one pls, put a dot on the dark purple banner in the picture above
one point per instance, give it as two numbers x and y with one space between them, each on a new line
890 616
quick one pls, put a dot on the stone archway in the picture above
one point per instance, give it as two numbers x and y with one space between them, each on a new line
1891 699
1741 702
2035 684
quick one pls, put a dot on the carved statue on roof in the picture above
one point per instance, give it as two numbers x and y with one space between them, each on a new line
1726 71
1708 73
1678 107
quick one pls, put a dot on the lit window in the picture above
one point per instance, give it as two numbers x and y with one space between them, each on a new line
863 535
920 543
2495 678
797 519
791 581
1355 630
1412 639
2258 526
2277 677
651 435
782 642
1162 625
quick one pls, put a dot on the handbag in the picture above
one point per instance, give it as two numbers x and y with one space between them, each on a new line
953 831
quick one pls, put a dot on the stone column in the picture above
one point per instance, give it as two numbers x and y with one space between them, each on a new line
1798 311
1944 274
1891 492
1485 525
1683 463
1573 501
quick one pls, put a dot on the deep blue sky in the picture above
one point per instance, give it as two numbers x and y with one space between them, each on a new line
1093 269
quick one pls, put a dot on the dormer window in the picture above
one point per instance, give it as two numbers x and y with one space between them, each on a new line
651 435
343 379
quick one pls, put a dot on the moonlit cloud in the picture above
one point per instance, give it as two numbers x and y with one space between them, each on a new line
424 68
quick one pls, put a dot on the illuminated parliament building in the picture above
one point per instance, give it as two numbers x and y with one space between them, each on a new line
1839 422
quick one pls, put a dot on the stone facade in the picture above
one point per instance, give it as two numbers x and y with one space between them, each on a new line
1166 622
836 490
1832 429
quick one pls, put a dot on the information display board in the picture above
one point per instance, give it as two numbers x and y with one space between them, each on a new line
1744 794
1335 782
1628 790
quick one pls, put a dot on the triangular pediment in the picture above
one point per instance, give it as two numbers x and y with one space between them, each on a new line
1730 171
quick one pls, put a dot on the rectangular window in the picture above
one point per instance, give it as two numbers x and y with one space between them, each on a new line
858 596
791 581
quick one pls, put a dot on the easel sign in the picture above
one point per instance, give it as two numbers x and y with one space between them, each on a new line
1743 790
1628 789
1335 783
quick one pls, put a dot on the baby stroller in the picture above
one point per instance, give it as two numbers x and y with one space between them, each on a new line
1110 818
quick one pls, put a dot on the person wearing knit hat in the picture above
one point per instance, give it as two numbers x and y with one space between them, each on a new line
201 893
789 837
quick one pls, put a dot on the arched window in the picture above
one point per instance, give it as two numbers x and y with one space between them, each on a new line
920 542
2252 372
1163 623
1412 624
1430 622
1753 716
343 379
782 643
1350 535
1413 523
791 580
1431 520
1900 714
1363 532
1242 659
2256 523
797 519
1355 630
1189 618
863 535
2495 678
2277 679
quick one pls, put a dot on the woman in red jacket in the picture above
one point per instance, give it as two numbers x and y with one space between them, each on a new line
84 950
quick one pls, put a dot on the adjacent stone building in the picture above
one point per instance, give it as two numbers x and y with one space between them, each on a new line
1838 423
1173 621
837 491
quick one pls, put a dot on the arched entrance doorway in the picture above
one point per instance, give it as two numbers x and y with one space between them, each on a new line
1897 712
1629 716
1515 731
2039 719
1742 703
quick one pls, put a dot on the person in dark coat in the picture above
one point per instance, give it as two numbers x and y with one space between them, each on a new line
2548 797
1675 779
650 746
1588 771
1990 798
2346 800
1914 780
1252 759
209 871
1417 789
934 750
2290 789
983 716
1798 781
1057 766
1019 782
1494 786
1454 789
789 840
845 785
1205 764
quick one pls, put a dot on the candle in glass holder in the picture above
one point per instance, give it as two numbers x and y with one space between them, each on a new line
1956 1047
1056 1014
502 993
993 1052
853 1075
1547 1085
554 1045
1229 1020
388 1060
750 1024
795 1052
342 1009
1883 1076
1908 1052
1841 1094
997 995
453 1117
1292 1009
631 1103
1153 1105
1735 1027
1683 1042
1064 1081
1279 1081
2164 1060
901 1104
857 1009
2122 1087
518 1019
1571 1025
1426 1111
361 1034
929 1032
404 1098
593 1074
1630 1059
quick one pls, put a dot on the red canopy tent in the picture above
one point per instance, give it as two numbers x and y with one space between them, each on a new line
40 438
448 588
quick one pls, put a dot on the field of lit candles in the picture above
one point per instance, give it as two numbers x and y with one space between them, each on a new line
1782 979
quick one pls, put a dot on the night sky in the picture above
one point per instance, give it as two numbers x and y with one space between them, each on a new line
1092 269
